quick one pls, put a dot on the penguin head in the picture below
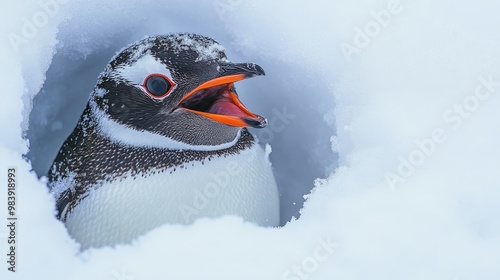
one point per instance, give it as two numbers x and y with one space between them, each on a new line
174 91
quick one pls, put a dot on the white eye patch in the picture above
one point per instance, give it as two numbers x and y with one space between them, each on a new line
136 72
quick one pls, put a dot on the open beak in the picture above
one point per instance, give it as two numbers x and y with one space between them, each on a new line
217 100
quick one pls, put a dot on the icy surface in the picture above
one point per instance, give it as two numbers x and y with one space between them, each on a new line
415 84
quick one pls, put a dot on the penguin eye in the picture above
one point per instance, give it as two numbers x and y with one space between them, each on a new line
158 86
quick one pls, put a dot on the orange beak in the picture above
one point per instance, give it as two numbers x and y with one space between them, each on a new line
216 99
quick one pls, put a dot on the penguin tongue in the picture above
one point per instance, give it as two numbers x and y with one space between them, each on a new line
224 106
228 107
220 103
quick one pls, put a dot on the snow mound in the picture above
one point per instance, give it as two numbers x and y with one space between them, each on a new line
404 93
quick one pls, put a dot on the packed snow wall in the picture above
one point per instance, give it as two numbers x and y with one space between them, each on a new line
385 116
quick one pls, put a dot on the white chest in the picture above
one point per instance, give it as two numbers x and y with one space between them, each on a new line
120 211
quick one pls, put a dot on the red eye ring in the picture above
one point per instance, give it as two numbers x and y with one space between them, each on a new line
158 86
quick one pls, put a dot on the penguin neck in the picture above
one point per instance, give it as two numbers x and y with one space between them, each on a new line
94 151
131 137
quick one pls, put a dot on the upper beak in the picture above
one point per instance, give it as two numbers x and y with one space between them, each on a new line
247 69
225 106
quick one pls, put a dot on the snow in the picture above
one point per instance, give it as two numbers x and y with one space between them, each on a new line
406 90
206 50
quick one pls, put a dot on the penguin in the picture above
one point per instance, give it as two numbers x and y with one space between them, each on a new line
163 139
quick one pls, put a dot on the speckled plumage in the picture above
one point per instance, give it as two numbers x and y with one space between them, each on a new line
130 149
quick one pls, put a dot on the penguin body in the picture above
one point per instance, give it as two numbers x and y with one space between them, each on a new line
241 185
163 140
